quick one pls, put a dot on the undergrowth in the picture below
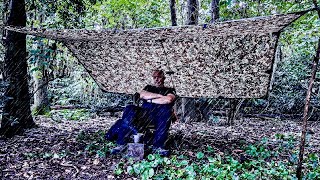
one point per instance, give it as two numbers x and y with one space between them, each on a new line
70 114
257 161
274 158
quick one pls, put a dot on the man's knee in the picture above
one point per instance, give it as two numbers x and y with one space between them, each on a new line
113 131
131 109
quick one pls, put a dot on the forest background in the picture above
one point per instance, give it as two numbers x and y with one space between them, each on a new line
58 81
57 78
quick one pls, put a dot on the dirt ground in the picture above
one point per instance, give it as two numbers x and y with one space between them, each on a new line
53 150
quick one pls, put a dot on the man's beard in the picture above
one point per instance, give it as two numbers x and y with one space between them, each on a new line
159 84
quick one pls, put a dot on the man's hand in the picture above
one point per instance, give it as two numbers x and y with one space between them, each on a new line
148 95
157 98
164 99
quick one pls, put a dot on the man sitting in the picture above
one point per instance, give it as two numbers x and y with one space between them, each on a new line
157 109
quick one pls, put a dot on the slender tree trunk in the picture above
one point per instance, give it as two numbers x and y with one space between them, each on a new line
41 101
40 78
177 105
182 11
214 11
188 105
232 112
305 113
306 107
193 12
16 112
173 12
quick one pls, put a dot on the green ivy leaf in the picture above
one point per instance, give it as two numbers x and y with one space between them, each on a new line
101 154
151 157
118 171
137 168
184 162
167 161
210 159
200 155
151 172
130 170
210 149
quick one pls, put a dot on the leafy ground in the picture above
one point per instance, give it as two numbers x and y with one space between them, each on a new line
71 149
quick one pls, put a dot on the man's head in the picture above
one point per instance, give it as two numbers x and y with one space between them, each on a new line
158 78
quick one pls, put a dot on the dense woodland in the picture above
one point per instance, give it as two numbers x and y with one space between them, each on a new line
57 118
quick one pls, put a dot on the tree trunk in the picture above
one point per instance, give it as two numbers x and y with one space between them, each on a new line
173 12
16 112
214 11
232 109
188 105
41 103
177 106
193 12
41 78
307 103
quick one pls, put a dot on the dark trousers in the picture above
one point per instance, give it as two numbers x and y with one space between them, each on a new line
136 119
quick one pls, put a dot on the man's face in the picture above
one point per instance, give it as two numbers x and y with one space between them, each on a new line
158 80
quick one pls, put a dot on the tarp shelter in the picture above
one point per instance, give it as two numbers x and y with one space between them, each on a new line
231 59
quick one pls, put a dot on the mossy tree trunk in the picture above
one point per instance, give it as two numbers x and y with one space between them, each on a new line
41 78
16 111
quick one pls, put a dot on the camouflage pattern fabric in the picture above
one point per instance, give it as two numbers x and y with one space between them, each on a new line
231 59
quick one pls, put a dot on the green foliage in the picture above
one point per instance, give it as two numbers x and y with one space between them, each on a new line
39 51
95 144
212 167
236 9
41 111
127 14
57 14
70 114
260 162
200 155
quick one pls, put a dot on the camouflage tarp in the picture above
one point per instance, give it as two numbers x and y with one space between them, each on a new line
230 59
